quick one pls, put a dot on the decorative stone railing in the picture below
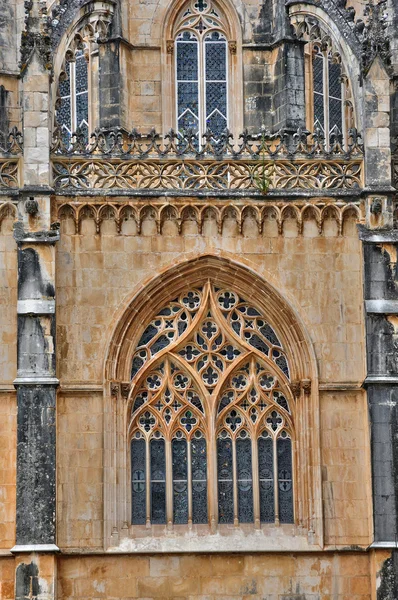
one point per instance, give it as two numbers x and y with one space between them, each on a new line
10 152
119 162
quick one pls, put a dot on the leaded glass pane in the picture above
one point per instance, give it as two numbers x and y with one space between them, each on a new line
335 116
180 481
318 73
225 481
138 483
334 80
199 480
216 59
319 116
266 477
245 480
285 487
82 109
158 482
187 58
81 73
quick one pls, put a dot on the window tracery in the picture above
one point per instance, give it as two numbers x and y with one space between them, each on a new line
330 110
211 409
201 69
78 75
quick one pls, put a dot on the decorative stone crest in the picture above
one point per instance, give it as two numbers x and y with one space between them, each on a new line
375 41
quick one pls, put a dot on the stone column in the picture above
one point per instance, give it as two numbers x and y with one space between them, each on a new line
36 383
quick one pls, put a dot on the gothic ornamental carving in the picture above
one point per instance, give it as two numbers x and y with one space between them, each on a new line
210 394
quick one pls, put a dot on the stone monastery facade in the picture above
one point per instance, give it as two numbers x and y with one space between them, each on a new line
199 299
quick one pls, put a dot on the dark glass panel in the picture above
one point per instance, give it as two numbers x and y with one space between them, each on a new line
82 109
319 117
187 60
317 66
138 482
285 487
216 98
225 481
335 116
216 123
64 86
199 480
255 341
216 61
148 334
81 74
269 334
245 480
266 477
159 344
334 80
64 115
180 481
158 482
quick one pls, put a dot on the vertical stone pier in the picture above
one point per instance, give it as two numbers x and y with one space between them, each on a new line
36 383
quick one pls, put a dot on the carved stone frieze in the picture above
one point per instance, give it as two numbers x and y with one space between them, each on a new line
181 212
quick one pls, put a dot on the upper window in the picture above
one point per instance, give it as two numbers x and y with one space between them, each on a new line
330 111
201 68
73 96
212 416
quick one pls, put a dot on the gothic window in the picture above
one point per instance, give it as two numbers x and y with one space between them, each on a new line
212 416
330 110
201 70
73 96
328 92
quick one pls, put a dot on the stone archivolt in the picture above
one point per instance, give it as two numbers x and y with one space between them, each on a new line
181 212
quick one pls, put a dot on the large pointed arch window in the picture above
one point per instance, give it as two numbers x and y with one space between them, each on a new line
211 424
201 70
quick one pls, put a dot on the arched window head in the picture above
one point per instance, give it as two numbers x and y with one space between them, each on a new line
212 415
77 84
201 69
329 104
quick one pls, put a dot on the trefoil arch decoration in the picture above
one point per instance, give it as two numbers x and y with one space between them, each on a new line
212 417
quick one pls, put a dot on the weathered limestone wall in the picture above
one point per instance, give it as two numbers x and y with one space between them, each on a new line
216 576
8 458
8 301
321 275
345 468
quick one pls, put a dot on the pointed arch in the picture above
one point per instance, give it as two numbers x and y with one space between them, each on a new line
277 428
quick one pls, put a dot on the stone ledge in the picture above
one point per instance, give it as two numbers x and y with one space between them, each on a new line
29 548
36 307
387 307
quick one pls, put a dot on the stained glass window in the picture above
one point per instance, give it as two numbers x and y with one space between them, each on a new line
73 108
211 395
201 71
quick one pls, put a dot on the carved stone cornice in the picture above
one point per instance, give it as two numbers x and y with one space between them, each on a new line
182 211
